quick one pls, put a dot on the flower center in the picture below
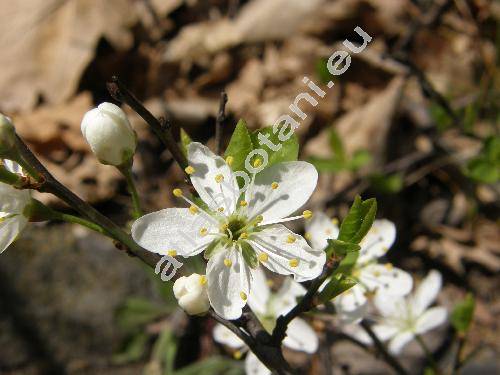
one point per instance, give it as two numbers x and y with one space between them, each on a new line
233 228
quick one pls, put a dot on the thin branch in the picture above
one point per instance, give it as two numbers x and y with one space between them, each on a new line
162 129
388 357
221 117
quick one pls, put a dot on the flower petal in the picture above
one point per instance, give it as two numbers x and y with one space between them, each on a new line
285 258
229 281
286 297
426 292
253 366
173 229
383 331
296 182
377 241
430 319
320 229
10 229
13 201
391 306
300 336
224 336
208 168
259 295
386 279
399 341
351 306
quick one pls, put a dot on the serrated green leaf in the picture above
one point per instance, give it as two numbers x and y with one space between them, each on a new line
240 145
463 312
185 141
337 285
249 255
358 220
289 150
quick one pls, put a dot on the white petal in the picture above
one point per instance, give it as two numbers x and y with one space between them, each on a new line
377 241
228 285
427 292
430 319
272 240
13 167
383 279
296 182
13 201
399 341
286 297
253 366
300 336
10 229
391 306
383 331
173 229
321 228
351 306
259 295
207 166
224 336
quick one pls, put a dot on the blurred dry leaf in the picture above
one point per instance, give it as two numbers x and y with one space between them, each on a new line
46 44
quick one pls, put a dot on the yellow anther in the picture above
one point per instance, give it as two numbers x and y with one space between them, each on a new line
229 160
376 273
243 296
257 163
307 236
172 253
385 249
259 219
293 262
193 209
356 273
291 238
244 235
203 280
243 203
307 214
203 231
335 221
388 266
237 354
263 257
177 192
274 185
219 178
189 169
220 209
223 227
270 283
228 262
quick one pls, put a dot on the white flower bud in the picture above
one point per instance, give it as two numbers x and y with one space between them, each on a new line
109 134
191 292
7 136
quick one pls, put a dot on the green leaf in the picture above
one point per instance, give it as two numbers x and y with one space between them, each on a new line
336 145
340 248
133 351
165 350
358 220
337 285
359 159
136 312
387 183
483 171
463 312
249 255
322 71
214 365
240 145
327 165
289 150
185 141
347 264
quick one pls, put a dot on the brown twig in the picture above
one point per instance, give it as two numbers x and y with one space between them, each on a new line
161 128
221 117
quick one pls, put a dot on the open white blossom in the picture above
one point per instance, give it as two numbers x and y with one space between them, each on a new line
236 231
268 306
373 279
13 203
404 318
191 293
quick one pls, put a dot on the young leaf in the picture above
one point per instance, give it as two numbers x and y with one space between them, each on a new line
340 248
240 145
165 350
337 285
327 165
133 351
136 312
391 184
359 159
358 220
347 264
185 141
336 145
461 317
288 151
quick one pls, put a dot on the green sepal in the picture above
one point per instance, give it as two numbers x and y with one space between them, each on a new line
249 255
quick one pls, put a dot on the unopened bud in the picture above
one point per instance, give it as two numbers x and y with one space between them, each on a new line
191 293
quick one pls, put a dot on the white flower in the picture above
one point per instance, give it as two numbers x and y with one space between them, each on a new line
191 292
373 278
7 136
13 203
404 318
268 306
109 134
238 231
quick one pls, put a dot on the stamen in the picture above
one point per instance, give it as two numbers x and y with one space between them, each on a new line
228 262
172 253
243 203
291 239
203 231
388 266
219 178
220 209
335 221
203 280
307 214
229 160
237 354
244 235
263 257
189 170
274 185
307 236
293 262
243 296
177 192
193 209
257 163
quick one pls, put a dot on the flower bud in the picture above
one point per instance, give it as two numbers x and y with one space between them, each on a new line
191 293
109 134
7 137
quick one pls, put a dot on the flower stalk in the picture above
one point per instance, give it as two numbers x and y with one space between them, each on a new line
126 171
